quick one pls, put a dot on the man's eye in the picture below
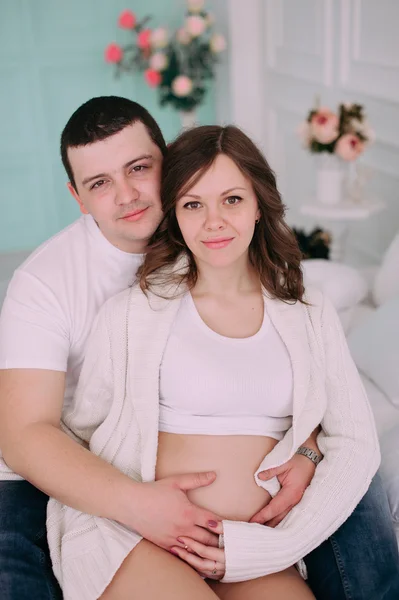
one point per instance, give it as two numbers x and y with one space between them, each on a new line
233 200
98 184
192 205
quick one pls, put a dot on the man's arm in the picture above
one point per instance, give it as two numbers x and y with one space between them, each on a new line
294 476
34 446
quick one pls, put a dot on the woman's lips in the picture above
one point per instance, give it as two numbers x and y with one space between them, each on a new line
217 243
135 216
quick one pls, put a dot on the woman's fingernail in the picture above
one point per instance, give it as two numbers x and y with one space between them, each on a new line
212 524
180 541
173 551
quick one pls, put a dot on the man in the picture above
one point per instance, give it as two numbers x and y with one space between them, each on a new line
112 150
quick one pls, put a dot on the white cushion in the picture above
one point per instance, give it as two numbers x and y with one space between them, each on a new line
374 345
386 415
390 471
386 283
342 284
361 313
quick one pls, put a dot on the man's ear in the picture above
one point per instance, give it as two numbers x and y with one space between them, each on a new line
76 196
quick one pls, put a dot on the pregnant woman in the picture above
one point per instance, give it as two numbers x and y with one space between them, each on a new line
217 360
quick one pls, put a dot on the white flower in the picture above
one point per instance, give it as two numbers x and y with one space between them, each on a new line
159 37
158 61
304 133
210 19
195 25
195 5
217 43
183 36
182 86
364 129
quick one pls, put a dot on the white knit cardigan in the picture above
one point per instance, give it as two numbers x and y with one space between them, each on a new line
115 412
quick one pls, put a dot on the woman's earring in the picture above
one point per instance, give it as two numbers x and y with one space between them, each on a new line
257 221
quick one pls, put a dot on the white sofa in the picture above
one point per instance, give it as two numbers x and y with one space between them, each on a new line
368 304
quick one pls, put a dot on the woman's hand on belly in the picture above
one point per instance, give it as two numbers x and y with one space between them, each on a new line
234 494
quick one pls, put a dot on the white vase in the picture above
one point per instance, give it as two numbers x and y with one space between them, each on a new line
188 118
330 175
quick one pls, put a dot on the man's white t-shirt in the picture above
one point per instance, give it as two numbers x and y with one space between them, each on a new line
52 301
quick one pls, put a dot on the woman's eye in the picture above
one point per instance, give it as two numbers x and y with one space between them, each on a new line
138 168
192 205
233 200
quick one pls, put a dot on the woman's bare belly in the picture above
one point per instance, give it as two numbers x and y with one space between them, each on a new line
234 458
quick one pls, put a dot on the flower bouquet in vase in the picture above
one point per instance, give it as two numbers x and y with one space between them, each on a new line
336 139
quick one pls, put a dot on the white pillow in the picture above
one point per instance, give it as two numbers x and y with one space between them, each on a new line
389 470
386 283
342 284
385 414
374 345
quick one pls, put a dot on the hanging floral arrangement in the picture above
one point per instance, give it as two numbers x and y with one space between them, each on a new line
178 65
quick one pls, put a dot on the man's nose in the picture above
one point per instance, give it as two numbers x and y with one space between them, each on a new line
126 192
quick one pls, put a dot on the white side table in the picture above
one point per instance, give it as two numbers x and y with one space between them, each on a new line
340 216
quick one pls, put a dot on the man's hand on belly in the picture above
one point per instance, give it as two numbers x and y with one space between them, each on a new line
162 513
294 477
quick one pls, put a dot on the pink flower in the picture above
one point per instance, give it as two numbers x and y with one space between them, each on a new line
152 77
324 126
195 25
349 147
127 20
195 5
144 39
217 43
113 53
159 37
182 86
158 61
183 37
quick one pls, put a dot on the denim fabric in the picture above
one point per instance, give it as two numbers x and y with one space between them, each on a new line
360 561
25 567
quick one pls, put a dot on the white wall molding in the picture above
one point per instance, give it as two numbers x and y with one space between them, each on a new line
247 67
285 58
378 77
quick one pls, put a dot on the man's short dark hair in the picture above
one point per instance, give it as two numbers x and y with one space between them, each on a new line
99 118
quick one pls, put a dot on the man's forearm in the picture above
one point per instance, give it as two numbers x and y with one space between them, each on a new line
63 469
311 442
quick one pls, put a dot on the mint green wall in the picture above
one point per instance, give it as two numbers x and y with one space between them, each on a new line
51 61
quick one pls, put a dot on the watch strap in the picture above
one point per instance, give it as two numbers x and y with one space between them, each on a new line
310 454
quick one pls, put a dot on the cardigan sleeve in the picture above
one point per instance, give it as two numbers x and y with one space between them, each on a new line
349 443
93 395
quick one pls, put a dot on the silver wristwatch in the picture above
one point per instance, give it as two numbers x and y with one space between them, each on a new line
310 454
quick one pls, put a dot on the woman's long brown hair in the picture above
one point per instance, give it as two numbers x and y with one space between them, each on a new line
273 251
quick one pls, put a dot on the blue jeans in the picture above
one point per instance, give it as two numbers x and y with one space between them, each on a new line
25 567
359 562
